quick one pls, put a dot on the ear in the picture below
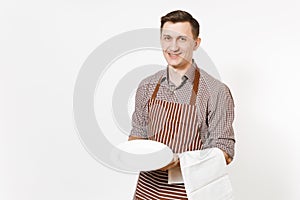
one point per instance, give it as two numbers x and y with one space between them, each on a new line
197 43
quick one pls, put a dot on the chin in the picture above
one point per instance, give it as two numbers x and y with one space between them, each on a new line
174 63
175 66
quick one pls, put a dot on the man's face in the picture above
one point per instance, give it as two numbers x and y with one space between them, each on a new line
178 44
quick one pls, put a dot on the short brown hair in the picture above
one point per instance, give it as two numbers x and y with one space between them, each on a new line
181 16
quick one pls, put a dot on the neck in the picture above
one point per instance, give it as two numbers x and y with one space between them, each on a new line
182 69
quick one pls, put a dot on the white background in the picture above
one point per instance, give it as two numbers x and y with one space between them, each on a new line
254 44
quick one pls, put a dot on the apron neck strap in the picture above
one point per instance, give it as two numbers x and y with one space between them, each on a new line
156 89
194 91
195 87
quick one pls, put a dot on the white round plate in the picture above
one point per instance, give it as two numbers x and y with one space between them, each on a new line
143 155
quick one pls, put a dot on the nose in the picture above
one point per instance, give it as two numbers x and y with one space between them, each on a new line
173 46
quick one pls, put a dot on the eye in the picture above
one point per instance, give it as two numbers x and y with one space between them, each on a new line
182 39
167 38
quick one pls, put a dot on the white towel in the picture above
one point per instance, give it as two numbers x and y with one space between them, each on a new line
205 176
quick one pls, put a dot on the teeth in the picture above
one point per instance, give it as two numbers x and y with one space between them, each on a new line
174 54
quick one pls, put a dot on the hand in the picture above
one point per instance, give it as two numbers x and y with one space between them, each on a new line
175 162
227 158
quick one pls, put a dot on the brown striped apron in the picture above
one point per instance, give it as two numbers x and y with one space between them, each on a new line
175 125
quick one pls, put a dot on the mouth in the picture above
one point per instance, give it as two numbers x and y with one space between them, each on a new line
174 55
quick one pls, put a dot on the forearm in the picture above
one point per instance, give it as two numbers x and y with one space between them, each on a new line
220 133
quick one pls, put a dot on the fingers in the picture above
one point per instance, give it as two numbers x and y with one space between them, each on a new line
174 163
131 137
227 158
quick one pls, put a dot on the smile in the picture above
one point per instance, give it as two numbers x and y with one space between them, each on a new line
174 56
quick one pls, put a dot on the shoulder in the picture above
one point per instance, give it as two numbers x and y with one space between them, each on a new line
147 85
151 80
209 82
212 86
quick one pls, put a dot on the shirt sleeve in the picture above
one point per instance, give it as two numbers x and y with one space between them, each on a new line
220 120
140 115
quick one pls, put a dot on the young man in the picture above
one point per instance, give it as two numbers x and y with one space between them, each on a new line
181 106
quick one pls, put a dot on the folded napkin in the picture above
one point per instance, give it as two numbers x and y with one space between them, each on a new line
205 176
174 175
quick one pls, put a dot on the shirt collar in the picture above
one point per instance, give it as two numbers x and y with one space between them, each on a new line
189 75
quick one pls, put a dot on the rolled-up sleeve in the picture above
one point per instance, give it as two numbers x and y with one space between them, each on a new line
140 115
220 122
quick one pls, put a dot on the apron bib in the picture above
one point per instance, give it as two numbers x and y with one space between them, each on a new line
175 125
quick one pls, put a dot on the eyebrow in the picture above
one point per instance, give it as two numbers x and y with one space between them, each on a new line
179 36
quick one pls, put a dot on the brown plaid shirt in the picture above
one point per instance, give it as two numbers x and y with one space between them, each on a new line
214 103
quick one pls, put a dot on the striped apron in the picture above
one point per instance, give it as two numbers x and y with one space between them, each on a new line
175 125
